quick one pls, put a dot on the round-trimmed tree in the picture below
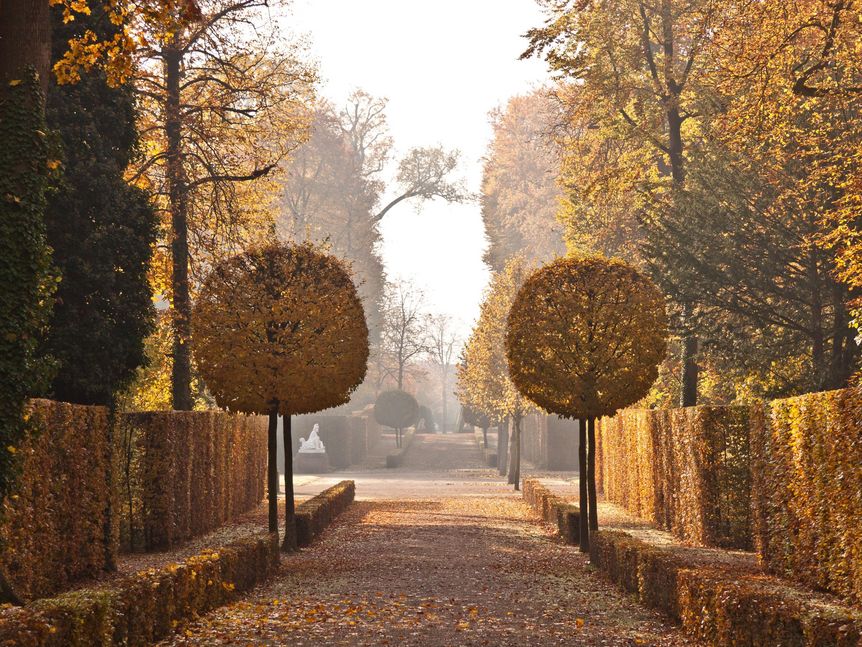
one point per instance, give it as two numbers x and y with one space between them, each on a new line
584 339
280 330
396 409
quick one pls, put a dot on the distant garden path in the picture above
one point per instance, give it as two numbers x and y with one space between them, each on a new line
469 567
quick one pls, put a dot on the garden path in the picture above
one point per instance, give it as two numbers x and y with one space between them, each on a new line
437 552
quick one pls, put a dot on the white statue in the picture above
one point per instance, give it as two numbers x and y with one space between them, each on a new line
313 445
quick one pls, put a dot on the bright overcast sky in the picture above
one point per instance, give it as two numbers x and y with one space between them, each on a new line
443 66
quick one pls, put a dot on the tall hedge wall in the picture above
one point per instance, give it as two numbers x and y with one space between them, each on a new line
54 527
807 467
183 474
686 470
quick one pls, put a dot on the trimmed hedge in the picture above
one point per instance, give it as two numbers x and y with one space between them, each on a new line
396 457
685 470
145 607
184 473
724 607
55 527
317 513
807 466
554 509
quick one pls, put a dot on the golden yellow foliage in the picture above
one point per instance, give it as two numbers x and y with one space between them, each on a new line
585 336
280 328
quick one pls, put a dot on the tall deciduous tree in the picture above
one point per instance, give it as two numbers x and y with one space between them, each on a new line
443 344
222 106
642 67
281 330
483 376
520 194
584 339
405 337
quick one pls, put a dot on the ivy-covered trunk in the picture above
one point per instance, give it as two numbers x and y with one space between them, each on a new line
502 446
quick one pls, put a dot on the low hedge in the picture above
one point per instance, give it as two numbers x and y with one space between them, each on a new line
807 468
317 513
56 527
145 607
396 457
722 606
554 509
685 470
185 473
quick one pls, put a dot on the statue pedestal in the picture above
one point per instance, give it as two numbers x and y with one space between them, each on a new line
312 463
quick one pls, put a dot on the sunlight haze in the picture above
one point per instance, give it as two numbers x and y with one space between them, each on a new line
443 66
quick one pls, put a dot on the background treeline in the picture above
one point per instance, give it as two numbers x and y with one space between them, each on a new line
714 145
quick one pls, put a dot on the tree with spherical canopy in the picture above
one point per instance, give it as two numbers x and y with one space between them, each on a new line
584 339
398 410
280 330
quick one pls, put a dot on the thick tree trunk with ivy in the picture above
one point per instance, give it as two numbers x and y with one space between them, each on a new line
25 41
272 469
25 287
181 370
289 543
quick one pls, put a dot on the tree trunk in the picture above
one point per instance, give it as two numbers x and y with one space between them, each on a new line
690 370
503 446
445 411
289 543
591 475
582 482
25 41
485 437
272 469
181 370
515 454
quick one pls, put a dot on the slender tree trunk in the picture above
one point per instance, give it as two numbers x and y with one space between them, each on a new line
503 446
485 437
515 454
289 543
591 475
181 370
272 469
690 369
582 482
445 412
25 41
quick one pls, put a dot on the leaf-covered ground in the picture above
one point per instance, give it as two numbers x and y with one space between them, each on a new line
470 569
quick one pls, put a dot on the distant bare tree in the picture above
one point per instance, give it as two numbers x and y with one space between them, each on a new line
405 335
444 341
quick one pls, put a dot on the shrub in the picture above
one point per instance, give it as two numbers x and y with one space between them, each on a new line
553 509
396 409
686 470
54 523
185 473
396 457
807 467
314 515
141 608
722 607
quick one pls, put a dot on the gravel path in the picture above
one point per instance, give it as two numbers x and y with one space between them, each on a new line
459 569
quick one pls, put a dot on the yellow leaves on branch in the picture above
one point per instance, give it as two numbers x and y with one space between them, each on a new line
483 380
280 325
585 336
